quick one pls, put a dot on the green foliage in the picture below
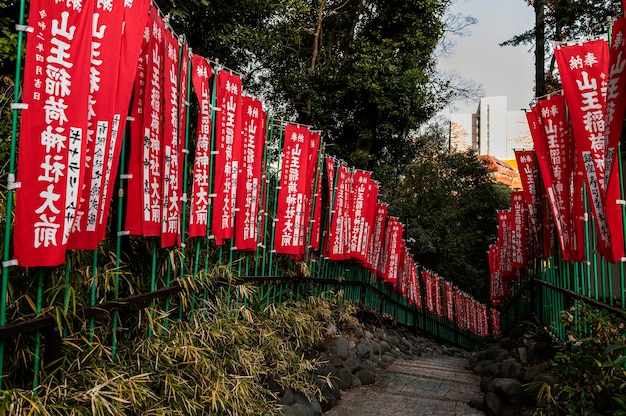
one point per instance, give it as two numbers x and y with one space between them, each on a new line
218 362
449 203
591 372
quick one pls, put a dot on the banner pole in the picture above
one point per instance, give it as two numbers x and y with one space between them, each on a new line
37 355
262 221
94 286
10 191
275 208
183 223
622 272
211 163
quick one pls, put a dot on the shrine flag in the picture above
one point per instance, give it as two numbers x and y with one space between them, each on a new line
201 73
53 130
249 182
228 155
584 68
290 216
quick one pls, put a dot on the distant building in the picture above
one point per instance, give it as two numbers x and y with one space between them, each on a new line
492 130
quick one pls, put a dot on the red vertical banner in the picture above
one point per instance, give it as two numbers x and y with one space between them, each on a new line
249 186
316 226
53 130
417 293
518 230
359 230
613 121
228 154
171 148
338 232
526 167
136 188
449 301
560 157
201 73
543 160
106 34
377 239
584 73
130 64
393 250
290 217
313 156
504 239
329 162
495 323
150 146
496 290
437 295
428 289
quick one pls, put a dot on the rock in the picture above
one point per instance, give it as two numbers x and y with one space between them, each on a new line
546 379
509 388
494 404
326 370
366 376
352 364
364 349
503 355
341 345
541 351
510 368
367 365
478 403
368 335
493 352
287 398
310 405
335 361
344 378
356 382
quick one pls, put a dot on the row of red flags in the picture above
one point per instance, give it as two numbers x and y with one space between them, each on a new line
97 72
576 136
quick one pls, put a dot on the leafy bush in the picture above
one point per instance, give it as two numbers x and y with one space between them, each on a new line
591 372
218 362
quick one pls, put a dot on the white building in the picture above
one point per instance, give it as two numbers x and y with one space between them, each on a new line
492 130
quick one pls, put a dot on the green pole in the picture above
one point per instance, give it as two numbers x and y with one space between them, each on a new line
262 220
6 257
152 281
94 286
37 358
211 163
183 215
276 187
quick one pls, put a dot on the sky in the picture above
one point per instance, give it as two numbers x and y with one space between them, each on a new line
503 71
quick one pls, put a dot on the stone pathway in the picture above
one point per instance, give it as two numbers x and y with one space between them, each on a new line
437 385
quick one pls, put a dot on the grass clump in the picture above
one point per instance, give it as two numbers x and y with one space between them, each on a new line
217 361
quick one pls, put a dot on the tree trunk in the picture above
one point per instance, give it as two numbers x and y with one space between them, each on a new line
540 40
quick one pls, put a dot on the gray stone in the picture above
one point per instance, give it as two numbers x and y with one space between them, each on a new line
493 352
335 361
510 368
356 382
503 355
366 376
341 344
367 365
509 388
287 398
545 379
494 404
393 340
344 378
326 370
352 364
478 403
368 335
364 349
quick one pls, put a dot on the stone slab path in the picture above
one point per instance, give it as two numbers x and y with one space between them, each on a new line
438 385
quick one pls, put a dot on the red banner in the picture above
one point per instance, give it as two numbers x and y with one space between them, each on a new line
135 20
377 239
559 146
135 186
504 239
290 217
496 288
393 250
428 288
171 147
249 187
53 135
583 68
106 34
526 167
543 159
339 231
313 157
143 215
437 295
613 121
449 300
228 156
316 227
201 73
518 230
364 196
